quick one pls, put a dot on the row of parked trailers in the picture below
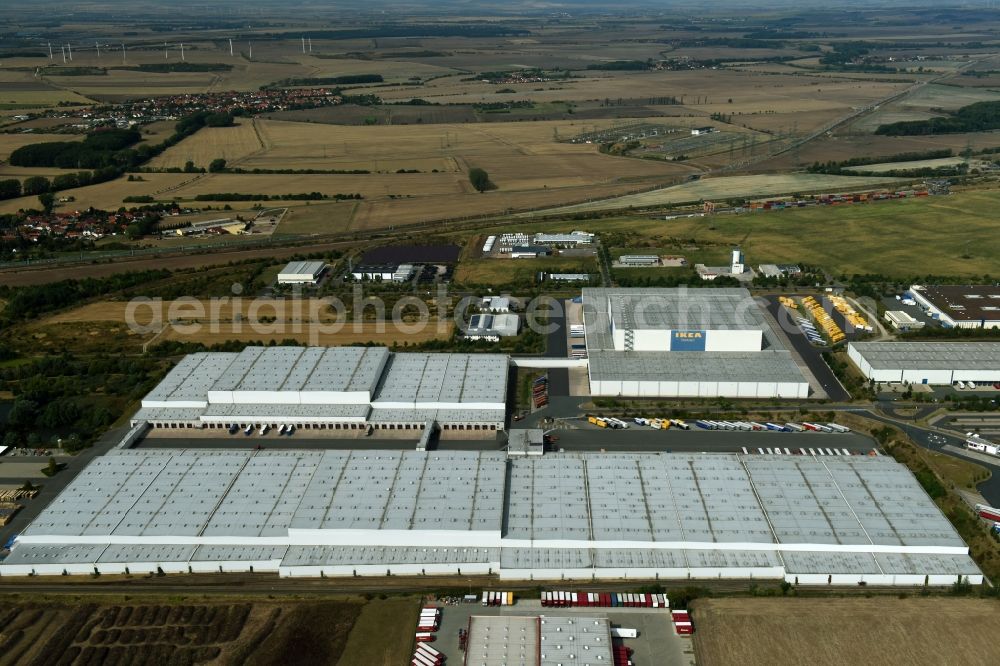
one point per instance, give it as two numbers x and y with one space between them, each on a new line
778 451
425 655
682 622
498 598
836 199
427 625
561 599
705 424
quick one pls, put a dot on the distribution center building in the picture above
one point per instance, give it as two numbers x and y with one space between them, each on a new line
804 519
939 363
330 388
958 306
301 272
685 342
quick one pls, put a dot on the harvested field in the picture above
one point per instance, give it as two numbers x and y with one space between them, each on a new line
11 142
315 335
109 195
905 166
20 277
728 187
212 321
39 634
229 143
834 632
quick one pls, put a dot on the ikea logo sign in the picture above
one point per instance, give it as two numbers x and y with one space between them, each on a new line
687 341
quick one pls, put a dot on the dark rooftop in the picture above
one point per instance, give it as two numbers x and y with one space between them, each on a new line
965 302
413 254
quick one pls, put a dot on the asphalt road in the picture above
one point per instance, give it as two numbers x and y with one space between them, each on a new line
811 356
639 438
935 441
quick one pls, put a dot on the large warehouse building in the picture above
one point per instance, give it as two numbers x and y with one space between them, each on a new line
940 363
685 342
330 388
958 306
582 516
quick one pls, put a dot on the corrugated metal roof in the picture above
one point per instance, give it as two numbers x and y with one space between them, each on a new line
930 355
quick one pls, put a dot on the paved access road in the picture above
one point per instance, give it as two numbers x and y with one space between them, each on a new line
936 440
811 356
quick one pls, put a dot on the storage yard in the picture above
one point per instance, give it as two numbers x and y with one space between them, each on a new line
834 632
583 516
685 342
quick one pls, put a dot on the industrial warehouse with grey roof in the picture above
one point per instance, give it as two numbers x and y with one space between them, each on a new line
685 343
572 515
330 387
940 363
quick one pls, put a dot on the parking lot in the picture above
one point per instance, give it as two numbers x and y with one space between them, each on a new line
696 440
656 644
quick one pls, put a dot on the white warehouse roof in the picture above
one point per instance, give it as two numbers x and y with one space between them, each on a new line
580 515
329 384
930 355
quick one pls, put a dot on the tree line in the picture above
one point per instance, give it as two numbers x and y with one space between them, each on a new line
108 152
978 117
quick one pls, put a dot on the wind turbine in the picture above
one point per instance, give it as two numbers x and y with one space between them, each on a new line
123 53
250 46
97 45
64 53
310 45
230 47
165 56
50 50
69 48
182 51
303 44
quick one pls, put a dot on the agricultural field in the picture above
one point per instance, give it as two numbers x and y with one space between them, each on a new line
309 321
499 272
11 142
897 238
731 187
820 632
232 144
109 195
315 335
176 633
918 164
